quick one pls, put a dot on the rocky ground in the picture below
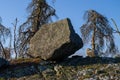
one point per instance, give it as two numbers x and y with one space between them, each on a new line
75 68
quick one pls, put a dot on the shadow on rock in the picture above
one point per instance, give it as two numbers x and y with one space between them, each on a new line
79 60
17 69
3 63
43 68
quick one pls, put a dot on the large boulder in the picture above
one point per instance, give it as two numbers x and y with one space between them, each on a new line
55 41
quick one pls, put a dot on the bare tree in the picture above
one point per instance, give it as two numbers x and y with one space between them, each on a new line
98 29
7 53
4 33
40 13
15 37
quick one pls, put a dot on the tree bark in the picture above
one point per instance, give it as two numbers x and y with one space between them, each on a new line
93 38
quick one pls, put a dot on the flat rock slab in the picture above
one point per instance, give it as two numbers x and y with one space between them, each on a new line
55 41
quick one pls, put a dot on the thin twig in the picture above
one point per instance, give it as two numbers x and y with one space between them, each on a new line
115 26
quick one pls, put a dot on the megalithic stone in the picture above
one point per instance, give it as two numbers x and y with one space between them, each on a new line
55 41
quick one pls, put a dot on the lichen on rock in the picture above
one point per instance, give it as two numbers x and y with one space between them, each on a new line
55 41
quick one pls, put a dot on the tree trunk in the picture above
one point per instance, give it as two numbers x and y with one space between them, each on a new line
3 50
14 42
93 39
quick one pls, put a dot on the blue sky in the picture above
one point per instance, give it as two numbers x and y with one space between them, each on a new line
73 9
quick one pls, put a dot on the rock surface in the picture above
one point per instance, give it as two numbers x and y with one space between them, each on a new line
55 41
75 68
91 53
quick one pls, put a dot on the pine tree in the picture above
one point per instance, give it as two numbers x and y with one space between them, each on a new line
97 29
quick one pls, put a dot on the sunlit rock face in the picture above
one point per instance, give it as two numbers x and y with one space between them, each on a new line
91 53
55 41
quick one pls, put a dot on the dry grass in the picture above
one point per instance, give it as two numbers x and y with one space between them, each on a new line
25 60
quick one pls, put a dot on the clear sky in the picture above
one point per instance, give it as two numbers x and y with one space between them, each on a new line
73 9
